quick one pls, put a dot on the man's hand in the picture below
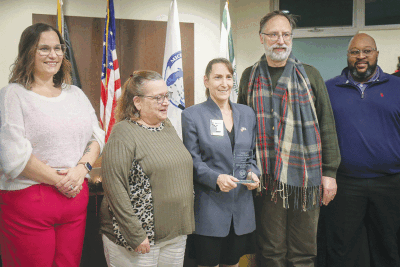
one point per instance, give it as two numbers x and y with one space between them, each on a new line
329 188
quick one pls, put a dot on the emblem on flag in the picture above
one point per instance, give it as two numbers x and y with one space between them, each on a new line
174 80
172 68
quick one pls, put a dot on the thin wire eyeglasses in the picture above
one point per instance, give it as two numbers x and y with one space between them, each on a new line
274 36
159 98
356 52
45 50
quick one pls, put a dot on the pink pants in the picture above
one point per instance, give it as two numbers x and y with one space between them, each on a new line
41 227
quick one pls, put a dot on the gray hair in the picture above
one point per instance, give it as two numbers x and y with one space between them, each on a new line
290 17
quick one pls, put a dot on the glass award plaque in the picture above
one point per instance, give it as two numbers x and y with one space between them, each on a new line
242 165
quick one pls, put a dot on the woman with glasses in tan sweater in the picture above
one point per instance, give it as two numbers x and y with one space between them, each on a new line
147 177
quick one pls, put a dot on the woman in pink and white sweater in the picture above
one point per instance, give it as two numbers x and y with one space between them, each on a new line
49 137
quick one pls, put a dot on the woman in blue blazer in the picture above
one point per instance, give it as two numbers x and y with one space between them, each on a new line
220 135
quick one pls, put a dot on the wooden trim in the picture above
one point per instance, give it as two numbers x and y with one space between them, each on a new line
140 45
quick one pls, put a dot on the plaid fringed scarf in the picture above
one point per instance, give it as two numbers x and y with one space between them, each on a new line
288 137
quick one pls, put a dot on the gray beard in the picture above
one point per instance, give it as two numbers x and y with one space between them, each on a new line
269 52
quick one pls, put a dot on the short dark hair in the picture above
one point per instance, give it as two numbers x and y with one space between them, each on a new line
290 17
23 67
210 64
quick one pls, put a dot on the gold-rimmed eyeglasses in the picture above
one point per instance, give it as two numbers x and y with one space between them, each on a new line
45 50
287 36
159 98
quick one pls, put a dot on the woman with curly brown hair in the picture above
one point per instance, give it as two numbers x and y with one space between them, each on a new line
49 137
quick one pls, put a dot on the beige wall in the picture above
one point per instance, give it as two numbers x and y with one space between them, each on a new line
245 16
387 43
205 14
16 15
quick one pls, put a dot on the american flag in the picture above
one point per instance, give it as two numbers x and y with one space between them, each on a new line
110 79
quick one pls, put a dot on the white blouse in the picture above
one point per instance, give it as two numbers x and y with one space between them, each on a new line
54 129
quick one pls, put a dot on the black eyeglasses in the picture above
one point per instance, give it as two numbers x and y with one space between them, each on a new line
159 98
356 52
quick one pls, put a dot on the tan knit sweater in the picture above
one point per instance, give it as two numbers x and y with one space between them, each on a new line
168 165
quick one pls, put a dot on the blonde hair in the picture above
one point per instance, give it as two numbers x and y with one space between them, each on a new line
133 87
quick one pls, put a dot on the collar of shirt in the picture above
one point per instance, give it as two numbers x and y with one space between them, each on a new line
364 85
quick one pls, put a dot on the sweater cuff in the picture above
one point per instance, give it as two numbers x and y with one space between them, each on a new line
330 172
138 240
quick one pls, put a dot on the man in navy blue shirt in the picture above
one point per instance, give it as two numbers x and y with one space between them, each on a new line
366 106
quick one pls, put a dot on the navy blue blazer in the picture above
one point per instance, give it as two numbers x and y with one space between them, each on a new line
212 156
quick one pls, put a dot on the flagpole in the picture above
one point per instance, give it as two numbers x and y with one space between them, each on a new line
106 34
60 17
106 74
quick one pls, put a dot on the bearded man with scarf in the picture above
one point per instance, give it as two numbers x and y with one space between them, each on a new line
297 147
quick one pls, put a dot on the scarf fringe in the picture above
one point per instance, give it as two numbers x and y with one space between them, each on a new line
304 198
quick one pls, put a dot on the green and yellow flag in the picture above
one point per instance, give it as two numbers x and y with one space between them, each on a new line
226 49
63 29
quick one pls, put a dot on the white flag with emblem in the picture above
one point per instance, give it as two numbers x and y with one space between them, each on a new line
226 49
172 68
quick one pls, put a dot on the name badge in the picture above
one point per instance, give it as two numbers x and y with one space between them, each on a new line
217 127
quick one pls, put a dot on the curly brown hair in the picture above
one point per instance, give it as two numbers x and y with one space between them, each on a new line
133 87
23 67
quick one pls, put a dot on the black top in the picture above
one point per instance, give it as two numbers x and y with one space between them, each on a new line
231 135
